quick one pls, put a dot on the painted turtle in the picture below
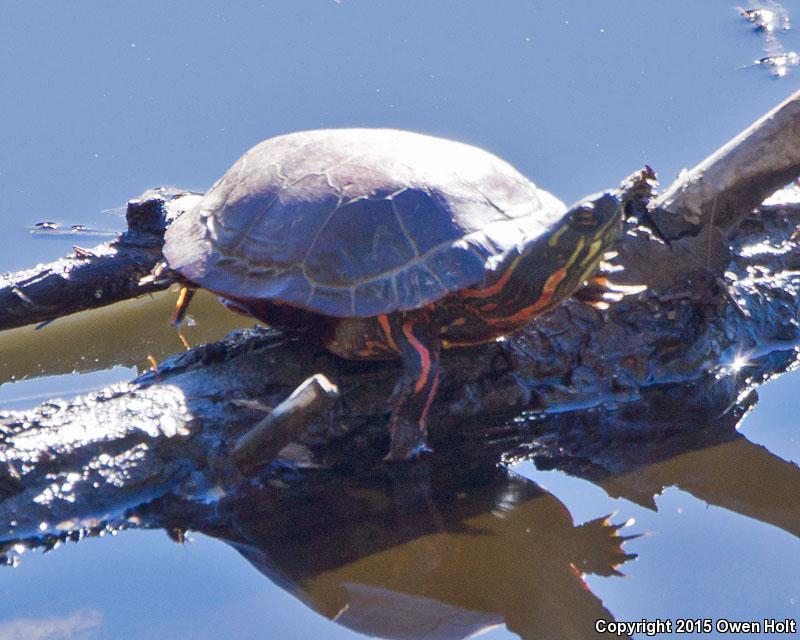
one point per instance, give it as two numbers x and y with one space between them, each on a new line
388 244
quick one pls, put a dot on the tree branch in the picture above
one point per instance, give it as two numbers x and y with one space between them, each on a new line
731 182
92 278
172 430
289 420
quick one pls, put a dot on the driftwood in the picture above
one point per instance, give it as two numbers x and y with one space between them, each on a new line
715 308
642 396
725 187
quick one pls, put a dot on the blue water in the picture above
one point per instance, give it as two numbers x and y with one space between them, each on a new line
101 102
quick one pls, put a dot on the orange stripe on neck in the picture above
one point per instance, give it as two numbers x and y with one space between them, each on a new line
422 381
493 289
548 290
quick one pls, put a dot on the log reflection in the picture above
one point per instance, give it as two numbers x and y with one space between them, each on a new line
431 552
124 334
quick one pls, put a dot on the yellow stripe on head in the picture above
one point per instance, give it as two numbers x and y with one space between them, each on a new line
553 241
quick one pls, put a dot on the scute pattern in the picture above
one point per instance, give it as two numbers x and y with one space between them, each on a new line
361 239
357 222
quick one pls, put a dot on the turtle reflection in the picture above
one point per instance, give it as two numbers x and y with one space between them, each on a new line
427 555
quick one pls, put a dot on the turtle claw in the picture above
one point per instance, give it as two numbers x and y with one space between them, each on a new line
404 455
423 448
408 442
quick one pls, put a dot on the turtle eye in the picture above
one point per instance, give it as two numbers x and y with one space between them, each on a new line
584 219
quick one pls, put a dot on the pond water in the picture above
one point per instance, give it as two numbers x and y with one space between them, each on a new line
101 103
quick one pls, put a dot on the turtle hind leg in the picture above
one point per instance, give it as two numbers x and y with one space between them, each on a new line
414 391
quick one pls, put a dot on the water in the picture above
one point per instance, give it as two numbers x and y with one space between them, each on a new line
101 103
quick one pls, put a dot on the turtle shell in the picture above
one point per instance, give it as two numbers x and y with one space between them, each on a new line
357 222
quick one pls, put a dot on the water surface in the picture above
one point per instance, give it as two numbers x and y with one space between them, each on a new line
101 103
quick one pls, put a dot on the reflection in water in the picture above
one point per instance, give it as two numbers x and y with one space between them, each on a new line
738 475
531 63
437 551
455 545
123 334
685 437
432 552
448 548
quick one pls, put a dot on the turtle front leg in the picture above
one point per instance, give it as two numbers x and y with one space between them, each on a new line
182 306
415 390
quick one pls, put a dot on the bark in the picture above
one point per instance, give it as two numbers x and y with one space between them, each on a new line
262 443
172 430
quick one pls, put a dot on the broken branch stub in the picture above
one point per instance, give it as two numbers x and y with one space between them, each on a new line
89 278
260 446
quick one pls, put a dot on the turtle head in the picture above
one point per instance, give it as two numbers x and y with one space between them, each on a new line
600 216
592 226
561 261
587 231
596 216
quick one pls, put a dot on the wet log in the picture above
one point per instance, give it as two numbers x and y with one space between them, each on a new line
92 278
74 465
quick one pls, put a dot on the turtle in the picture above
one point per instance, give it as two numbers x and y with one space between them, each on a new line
386 244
